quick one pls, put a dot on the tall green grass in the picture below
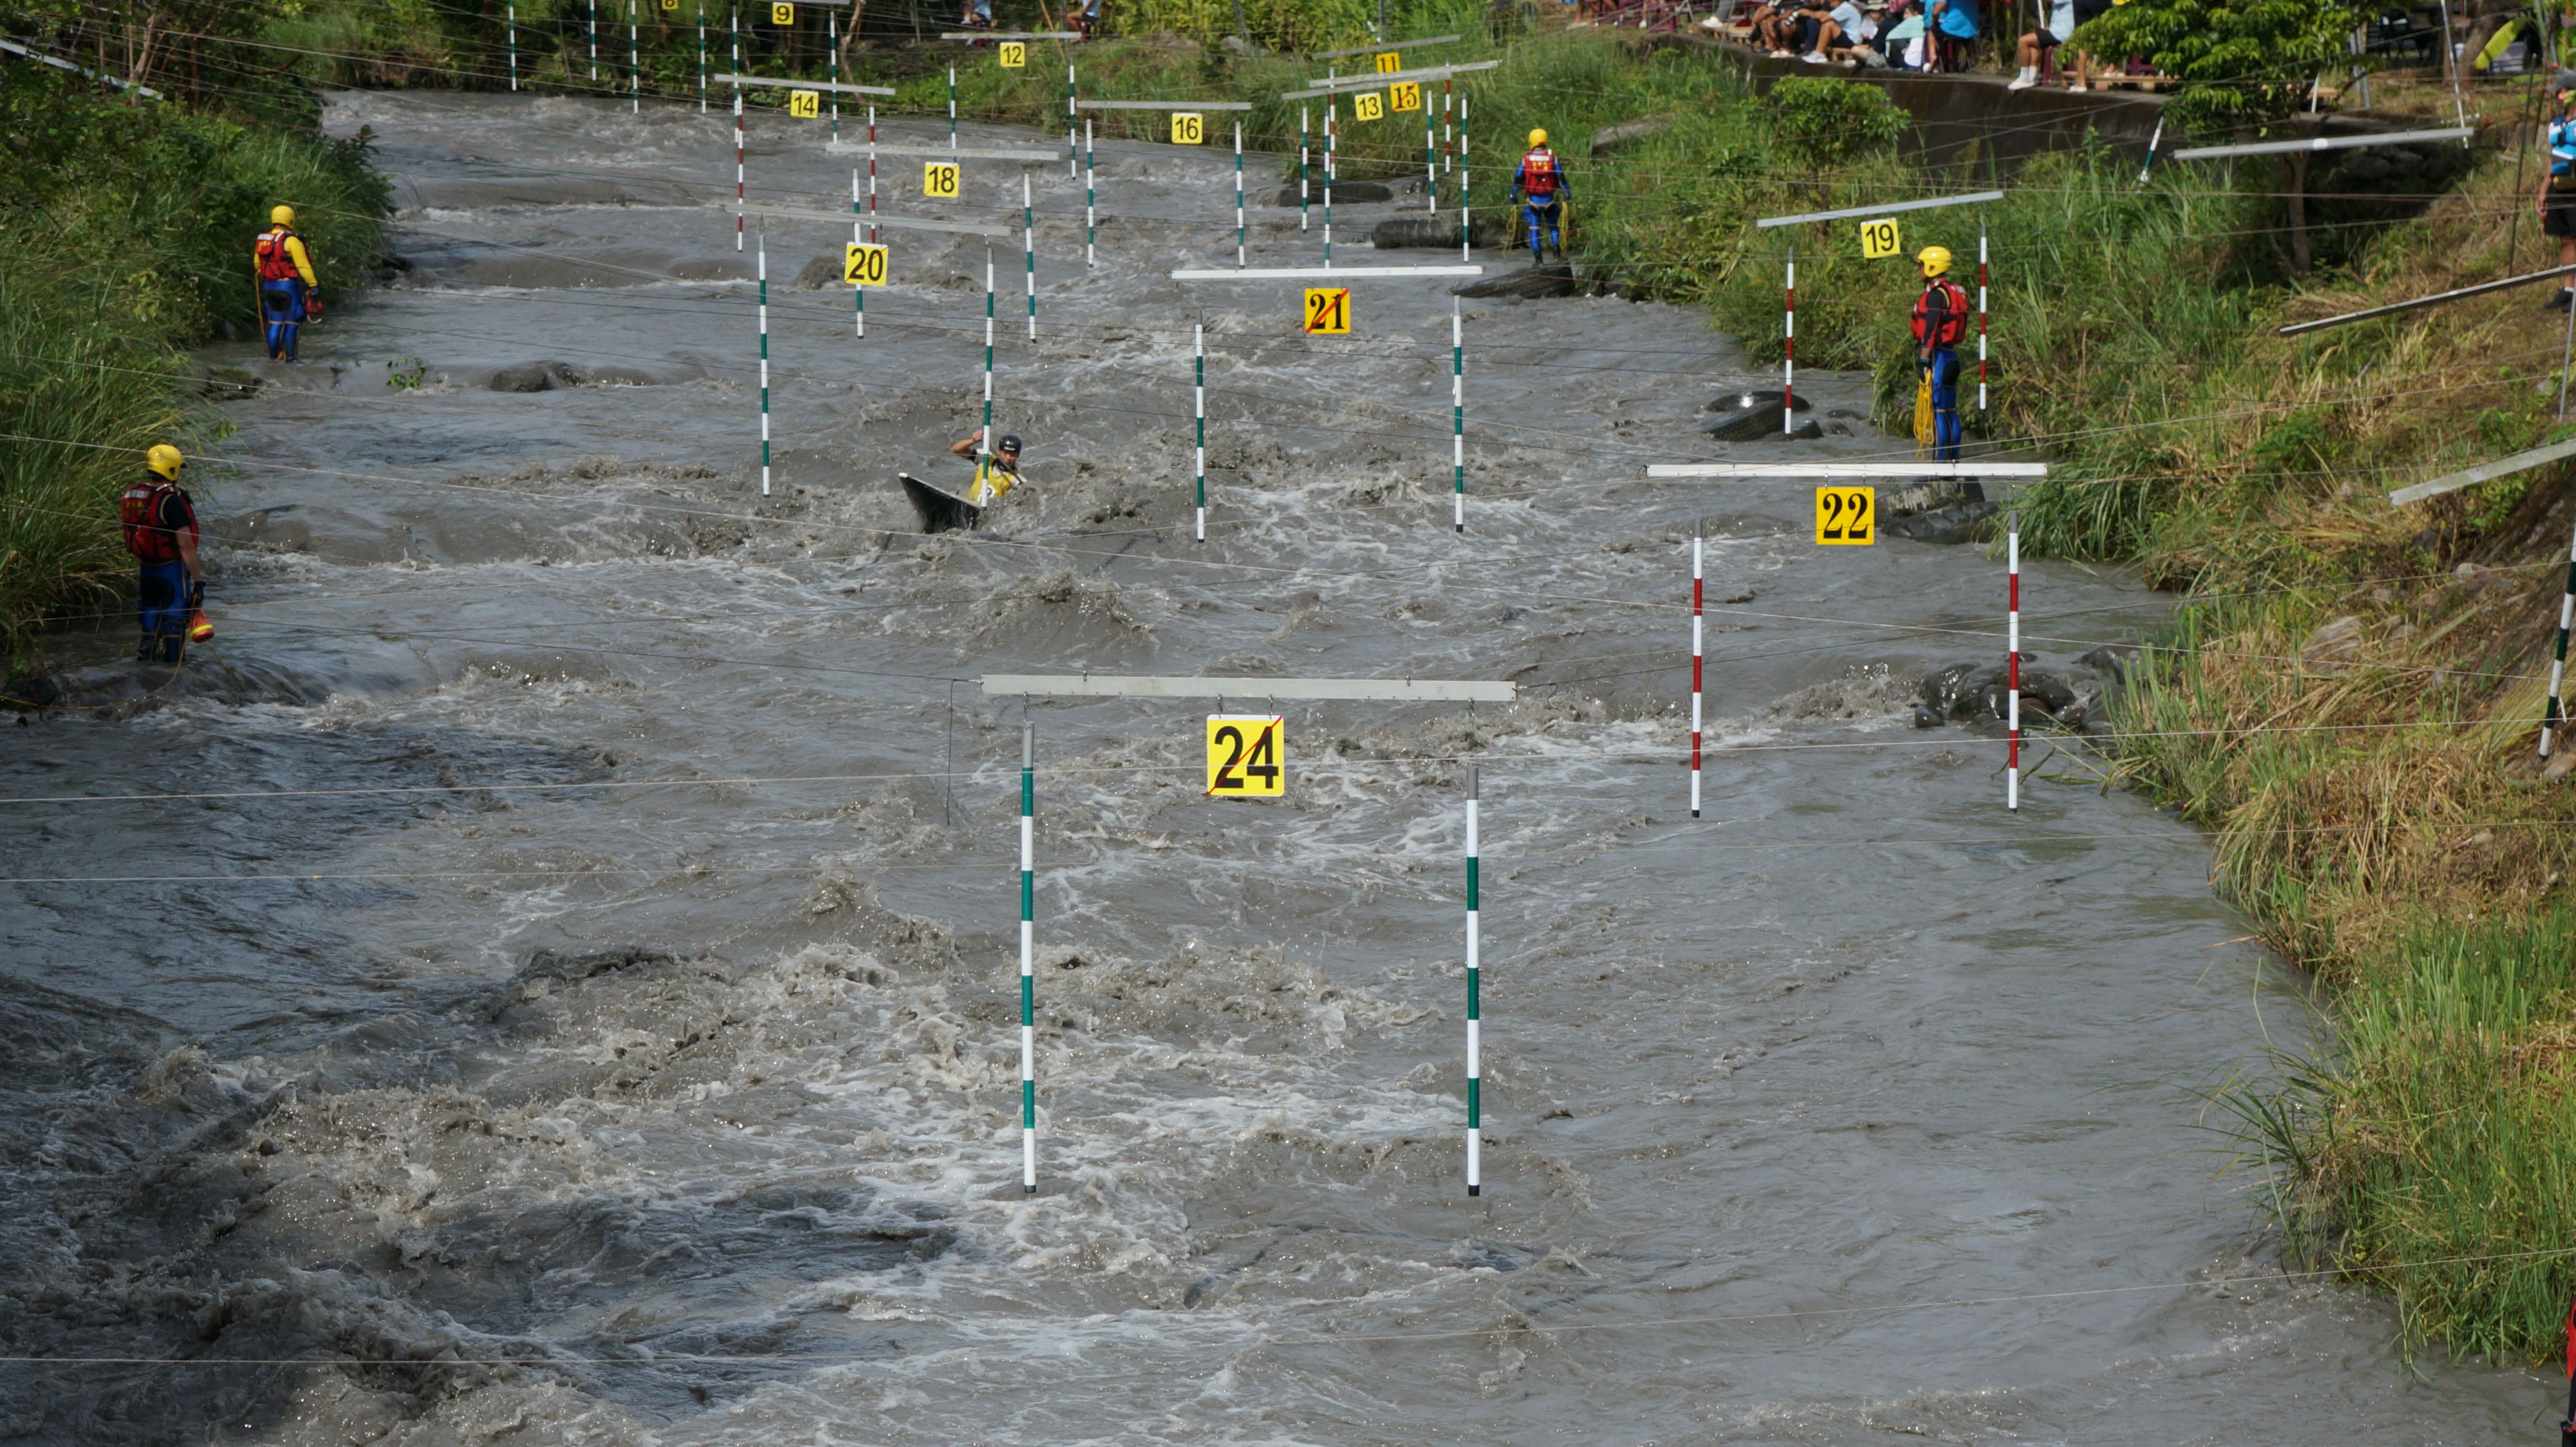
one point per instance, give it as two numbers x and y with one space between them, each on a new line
130 236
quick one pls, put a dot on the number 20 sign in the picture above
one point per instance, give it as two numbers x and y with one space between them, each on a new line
1247 756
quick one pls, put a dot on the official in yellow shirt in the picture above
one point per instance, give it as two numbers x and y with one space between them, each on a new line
286 282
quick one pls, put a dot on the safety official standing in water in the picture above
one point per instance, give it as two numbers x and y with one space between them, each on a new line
996 472
286 283
1542 189
1940 321
160 523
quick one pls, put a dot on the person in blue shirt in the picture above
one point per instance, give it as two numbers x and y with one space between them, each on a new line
2558 188
1954 27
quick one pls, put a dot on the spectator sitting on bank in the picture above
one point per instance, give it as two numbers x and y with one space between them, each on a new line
1902 39
1845 35
1774 26
1953 31
2039 45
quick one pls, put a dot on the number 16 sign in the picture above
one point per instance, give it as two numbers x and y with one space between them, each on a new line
1247 756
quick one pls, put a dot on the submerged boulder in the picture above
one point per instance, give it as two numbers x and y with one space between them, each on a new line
1345 193
1757 416
1977 692
1528 282
536 377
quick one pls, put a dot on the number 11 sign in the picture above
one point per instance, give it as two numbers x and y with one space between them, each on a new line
1247 756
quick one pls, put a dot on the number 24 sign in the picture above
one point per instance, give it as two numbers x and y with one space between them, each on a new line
1247 756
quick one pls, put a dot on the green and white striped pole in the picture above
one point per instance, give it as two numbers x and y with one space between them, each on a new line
514 46
702 57
1029 249
1457 415
1090 198
859 294
764 358
1072 114
1198 415
987 446
2558 665
594 39
952 108
1329 129
634 63
832 39
1475 1014
1238 195
1028 959
1303 147
1466 231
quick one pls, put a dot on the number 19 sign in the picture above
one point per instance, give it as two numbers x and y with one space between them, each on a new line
1247 756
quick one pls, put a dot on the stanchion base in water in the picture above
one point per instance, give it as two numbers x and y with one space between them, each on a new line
1694 813
1028 1190
1475 1190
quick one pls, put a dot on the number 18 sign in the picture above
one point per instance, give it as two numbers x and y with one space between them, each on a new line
1247 756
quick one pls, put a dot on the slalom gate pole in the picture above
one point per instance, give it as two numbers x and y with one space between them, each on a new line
952 108
1329 128
858 294
1198 416
1457 416
702 57
988 349
1981 314
634 64
2557 711
594 40
1696 596
1466 231
1789 347
2566 354
1302 148
1028 959
1475 1020
737 164
1445 143
513 22
764 359
1072 119
733 23
1430 166
1238 196
2012 662
832 37
1090 198
1029 249
872 172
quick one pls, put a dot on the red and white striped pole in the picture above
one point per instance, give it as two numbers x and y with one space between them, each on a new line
1789 347
1695 672
2012 663
1981 315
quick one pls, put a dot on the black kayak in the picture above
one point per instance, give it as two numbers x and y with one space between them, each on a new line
940 511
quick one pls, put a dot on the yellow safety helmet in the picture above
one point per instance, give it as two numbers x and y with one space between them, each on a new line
1935 259
1538 138
281 216
165 461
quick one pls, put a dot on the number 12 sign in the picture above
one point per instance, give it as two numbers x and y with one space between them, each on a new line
1247 756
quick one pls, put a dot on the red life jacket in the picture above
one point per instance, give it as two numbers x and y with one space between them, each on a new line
141 511
1954 321
1538 174
276 263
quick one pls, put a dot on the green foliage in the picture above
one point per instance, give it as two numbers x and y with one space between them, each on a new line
132 234
1831 121
2241 62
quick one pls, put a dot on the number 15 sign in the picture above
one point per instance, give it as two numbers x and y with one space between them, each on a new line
1247 756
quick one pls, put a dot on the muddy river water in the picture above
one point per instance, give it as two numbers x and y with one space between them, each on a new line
589 999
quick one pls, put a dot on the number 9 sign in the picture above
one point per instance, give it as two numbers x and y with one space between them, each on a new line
1247 756
939 178
1844 516
782 14
1878 238
1189 128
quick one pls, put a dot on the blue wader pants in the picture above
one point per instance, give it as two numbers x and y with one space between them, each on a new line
281 306
1542 215
164 600
1945 404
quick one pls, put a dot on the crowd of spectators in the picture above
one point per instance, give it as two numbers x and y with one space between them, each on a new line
1925 35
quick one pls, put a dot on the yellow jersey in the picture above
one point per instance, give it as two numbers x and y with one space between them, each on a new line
992 480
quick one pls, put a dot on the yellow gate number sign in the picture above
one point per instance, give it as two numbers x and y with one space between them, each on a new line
1878 238
782 14
670 4
1247 756
805 103
1015 54
1404 95
1328 311
1389 62
1189 128
864 265
1846 516
939 178
1368 105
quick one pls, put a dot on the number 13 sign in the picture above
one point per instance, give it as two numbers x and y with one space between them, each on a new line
1247 756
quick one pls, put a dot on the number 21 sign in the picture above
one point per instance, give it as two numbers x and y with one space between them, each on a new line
1247 756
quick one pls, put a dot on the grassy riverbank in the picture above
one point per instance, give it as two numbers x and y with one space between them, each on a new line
129 237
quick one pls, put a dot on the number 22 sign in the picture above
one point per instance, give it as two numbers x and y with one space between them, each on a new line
1247 756
1844 516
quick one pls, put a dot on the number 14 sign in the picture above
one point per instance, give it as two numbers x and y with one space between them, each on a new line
1247 756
